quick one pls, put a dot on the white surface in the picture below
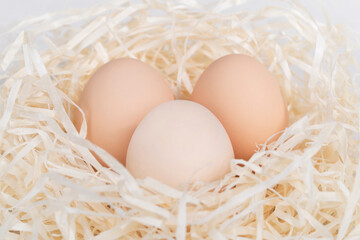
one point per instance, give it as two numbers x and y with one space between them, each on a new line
11 11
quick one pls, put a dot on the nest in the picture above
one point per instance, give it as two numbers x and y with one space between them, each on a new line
304 185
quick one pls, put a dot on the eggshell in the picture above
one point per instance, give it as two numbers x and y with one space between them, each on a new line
178 142
116 98
246 98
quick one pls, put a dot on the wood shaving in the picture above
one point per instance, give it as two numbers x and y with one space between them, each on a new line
306 185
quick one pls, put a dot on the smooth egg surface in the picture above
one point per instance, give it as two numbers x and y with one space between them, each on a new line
246 98
180 142
114 101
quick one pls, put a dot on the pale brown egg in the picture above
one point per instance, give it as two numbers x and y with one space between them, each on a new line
180 142
116 98
246 98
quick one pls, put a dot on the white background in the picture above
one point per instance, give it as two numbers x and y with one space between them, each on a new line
339 11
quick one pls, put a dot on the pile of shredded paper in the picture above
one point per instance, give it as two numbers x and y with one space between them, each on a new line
306 185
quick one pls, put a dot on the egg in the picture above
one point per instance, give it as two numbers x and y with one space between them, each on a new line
246 98
180 142
115 99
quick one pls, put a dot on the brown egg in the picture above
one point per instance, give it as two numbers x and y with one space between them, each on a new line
116 98
180 142
246 98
